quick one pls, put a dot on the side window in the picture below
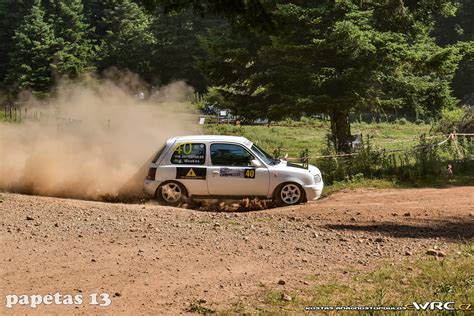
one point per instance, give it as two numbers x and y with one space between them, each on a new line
189 154
230 155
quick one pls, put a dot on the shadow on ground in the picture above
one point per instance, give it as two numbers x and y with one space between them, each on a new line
449 230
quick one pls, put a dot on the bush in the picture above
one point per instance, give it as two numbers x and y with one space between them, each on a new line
467 123
215 97
449 121
401 121
425 161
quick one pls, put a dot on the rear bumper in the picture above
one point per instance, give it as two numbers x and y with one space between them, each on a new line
313 192
150 187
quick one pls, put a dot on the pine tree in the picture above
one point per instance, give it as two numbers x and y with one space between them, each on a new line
74 55
335 58
177 51
459 29
122 31
12 13
31 57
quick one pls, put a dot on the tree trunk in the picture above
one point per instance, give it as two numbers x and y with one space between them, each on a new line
341 131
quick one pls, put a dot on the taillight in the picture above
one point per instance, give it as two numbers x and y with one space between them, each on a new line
151 174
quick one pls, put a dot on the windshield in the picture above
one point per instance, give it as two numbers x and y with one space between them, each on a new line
267 158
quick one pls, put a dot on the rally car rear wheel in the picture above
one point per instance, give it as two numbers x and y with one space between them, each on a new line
171 193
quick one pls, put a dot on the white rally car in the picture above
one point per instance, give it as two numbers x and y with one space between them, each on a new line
210 166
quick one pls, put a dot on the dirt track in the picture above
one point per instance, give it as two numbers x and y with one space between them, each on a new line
153 259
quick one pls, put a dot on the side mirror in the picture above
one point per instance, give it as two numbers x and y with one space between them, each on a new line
255 163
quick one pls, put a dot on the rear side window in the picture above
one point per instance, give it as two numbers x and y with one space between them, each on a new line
189 154
230 155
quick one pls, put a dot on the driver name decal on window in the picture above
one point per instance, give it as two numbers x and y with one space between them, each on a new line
189 154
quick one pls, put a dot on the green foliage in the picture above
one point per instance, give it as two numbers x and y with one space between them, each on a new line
31 58
51 42
458 26
123 35
268 59
333 58
216 98
425 161
177 51
463 81
293 136
459 29
391 154
467 123
12 13
75 52
449 120
401 121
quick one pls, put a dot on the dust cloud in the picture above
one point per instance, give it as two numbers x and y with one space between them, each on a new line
92 141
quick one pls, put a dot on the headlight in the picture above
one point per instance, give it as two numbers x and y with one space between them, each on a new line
317 178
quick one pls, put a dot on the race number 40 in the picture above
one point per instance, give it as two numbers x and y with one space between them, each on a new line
249 173
186 148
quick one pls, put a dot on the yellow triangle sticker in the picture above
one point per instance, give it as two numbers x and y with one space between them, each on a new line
191 173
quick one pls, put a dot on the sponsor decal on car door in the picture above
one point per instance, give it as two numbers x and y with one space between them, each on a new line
230 172
238 181
191 173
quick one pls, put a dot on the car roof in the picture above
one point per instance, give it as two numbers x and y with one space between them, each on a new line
211 138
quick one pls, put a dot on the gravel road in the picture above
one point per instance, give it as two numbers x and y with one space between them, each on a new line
152 259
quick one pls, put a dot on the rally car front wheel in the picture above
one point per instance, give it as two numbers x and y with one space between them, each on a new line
289 194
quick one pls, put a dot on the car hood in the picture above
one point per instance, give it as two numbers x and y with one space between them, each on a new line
286 165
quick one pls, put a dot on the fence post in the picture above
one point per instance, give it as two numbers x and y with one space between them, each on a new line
305 157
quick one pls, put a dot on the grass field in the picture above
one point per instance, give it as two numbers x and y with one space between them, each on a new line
420 280
295 136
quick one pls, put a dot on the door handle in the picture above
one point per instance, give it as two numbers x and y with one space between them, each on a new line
215 172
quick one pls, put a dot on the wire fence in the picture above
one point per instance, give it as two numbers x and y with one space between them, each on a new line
15 114
454 138
18 114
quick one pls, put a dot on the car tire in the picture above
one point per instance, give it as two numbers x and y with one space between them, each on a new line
171 193
289 193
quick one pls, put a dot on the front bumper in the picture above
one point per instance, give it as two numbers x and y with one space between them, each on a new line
150 187
313 192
